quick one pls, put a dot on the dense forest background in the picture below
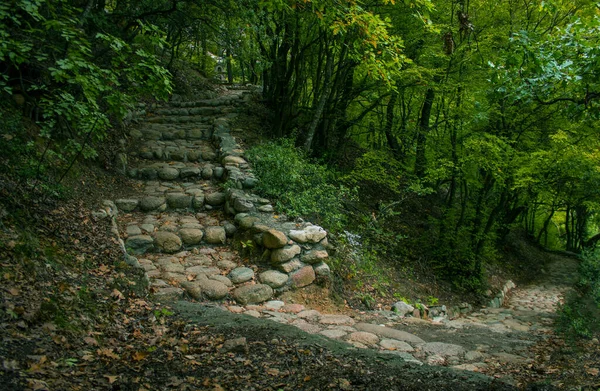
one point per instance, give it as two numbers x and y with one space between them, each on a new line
425 131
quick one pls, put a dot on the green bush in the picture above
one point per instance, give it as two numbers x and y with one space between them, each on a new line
579 317
300 187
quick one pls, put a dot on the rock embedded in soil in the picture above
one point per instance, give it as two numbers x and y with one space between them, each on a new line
303 277
364 338
215 199
274 239
220 278
170 293
402 308
241 274
236 345
151 203
230 228
188 172
336 320
253 294
273 278
191 236
168 241
393 344
133 230
126 205
213 289
215 235
443 349
322 269
389 332
285 254
310 234
241 205
291 266
202 270
168 173
139 244
333 333
179 201
314 256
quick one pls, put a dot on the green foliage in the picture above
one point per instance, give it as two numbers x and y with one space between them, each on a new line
301 188
432 300
74 84
377 171
163 312
579 316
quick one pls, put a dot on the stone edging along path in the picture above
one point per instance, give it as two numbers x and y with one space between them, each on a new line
180 224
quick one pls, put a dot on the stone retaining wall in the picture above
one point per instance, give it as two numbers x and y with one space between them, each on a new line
296 250
501 297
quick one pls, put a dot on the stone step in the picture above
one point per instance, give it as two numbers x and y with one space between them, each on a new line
192 118
234 100
160 196
204 111
169 233
177 150
169 132
169 171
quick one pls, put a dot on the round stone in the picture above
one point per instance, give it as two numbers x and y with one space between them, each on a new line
151 203
241 274
215 199
139 244
393 344
252 294
364 338
167 241
273 278
179 200
191 236
126 205
274 239
207 173
285 254
215 235
303 277
168 173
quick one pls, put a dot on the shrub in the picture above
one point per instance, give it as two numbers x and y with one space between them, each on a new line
579 317
299 187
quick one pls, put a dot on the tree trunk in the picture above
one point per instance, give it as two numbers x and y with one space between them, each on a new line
423 129
389 125
324 95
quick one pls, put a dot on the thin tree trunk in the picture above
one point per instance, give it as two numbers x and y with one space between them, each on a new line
389 125
324 95
423 129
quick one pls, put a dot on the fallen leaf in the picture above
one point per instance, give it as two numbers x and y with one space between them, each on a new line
90 341
14 291
111 379
139 356
117 295
107 353
592 371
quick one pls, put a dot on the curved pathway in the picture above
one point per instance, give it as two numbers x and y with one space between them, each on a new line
481 341
178 229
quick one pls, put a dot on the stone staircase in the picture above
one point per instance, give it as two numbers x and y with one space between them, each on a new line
181 223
